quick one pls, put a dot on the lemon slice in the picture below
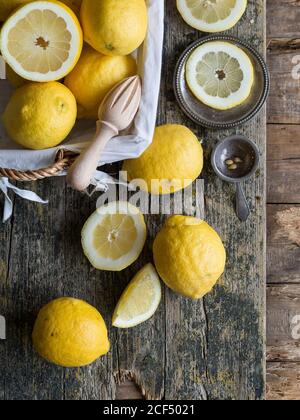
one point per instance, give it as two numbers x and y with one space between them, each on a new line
220 75
114 236
42 41
140 299
212 15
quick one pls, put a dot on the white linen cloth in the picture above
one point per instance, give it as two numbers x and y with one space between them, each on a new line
130 144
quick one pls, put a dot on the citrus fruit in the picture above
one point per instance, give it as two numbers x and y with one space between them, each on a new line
8 6
212 15
42 41
114 27
45 114
94 76
114 236
70 333
172 162
220 74
189 256
140 299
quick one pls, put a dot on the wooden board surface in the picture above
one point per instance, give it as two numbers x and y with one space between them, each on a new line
213 349
283 255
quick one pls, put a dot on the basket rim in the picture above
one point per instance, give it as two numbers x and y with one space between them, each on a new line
64 158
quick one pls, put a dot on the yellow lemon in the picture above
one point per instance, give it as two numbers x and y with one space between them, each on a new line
220 74
70 333
114 27
94 76
189 256
42 41
8 6
212 15
172 162
40 115
140 299
114 236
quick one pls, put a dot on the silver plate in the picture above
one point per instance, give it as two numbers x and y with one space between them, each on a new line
209 117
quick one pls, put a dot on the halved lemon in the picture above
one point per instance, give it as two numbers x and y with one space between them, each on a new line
220 74
140 299
42 41
114 236
212 15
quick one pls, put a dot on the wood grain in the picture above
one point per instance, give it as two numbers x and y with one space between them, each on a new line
283 17
212 349
283 250
283 381
283 142
283 323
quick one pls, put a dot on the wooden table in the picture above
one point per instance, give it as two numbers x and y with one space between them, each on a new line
212 349
283 200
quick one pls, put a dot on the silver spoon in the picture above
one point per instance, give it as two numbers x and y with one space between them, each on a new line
235 160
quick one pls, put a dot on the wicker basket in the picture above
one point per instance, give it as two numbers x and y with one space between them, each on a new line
63 160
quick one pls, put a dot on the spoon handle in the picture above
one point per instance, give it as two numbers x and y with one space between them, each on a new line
242 207
81 172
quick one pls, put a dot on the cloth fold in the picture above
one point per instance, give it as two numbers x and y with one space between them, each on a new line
130 144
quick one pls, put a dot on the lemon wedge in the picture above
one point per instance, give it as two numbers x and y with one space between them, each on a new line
212 15
42 41
114 236
140 299
220 74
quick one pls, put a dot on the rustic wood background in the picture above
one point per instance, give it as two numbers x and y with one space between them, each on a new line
41 259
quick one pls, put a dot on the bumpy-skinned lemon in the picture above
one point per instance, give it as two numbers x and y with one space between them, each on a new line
189 256
172 162
40 115
114 27
70 333
42 41
94 76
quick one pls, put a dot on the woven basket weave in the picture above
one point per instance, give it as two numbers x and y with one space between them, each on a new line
63 160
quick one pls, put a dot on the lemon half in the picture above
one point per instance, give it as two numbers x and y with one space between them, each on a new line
140 299
220 74
42 41
212 15
114 236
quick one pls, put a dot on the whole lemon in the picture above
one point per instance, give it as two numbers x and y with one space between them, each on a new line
8 6
114 27
70 333
172 162
40 115
189 256
94 76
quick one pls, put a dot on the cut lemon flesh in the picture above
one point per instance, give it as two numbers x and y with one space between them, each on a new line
114 236
220 75
212 15
140 299
42 41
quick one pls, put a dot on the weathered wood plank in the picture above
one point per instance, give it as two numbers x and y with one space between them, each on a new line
283 142
229 362
283 381
283 181
283 17
283 323
284 100
283 250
